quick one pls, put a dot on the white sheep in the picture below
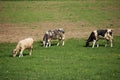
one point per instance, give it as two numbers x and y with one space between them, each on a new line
22 45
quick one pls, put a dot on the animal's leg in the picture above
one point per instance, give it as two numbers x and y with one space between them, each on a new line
43 43
58 44
49 43
111 44
93 43
21 55
97 43
107 42
63 43
106 45
46 45
63 38
31 51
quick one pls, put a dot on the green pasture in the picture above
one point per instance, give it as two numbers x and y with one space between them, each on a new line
94 12
70 62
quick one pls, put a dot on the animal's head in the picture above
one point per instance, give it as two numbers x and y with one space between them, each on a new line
87 44
110 33
61 30
14 53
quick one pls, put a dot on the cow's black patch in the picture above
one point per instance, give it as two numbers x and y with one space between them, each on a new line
101 32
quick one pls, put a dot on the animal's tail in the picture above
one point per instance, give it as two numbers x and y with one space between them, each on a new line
91 38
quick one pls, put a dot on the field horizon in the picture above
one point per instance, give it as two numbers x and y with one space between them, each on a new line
78 18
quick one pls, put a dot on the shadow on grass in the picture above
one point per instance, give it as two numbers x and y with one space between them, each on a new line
100 45
118 58
53 43
24 54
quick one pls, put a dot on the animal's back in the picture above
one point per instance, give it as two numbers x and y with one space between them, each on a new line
26 42
101 32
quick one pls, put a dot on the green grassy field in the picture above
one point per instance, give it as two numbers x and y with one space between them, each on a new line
94 12
70 62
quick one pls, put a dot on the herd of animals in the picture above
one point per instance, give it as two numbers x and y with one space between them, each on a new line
59 34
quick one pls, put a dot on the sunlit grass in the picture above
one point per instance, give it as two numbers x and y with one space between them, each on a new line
70 62
93 12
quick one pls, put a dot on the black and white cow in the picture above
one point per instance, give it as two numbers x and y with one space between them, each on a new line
100 34
57 34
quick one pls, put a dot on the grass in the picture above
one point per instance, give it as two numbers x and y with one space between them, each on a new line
93 12
70 62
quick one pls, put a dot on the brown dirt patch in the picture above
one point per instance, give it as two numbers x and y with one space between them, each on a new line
15 32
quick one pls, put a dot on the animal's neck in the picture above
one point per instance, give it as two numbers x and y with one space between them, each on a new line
17 48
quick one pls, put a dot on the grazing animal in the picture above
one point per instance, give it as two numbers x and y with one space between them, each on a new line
100 34
57 34
22 45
